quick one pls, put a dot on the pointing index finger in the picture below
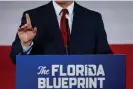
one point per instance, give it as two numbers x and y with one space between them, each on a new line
28 20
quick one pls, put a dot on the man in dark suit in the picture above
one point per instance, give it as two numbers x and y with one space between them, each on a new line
58 28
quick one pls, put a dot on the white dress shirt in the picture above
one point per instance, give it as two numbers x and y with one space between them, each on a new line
58 12
69 16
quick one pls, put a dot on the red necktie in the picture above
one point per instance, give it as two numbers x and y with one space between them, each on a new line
64 27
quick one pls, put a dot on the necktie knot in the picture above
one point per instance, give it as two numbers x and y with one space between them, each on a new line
64 12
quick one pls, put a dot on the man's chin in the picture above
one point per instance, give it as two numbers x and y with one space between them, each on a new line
60 2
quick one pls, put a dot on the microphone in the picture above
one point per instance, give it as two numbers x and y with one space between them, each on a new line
68 37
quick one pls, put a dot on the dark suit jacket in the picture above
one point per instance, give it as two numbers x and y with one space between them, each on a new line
88 35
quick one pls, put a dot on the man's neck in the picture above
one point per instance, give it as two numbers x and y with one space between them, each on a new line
64 4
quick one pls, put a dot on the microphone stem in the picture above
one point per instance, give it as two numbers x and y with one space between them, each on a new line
66 47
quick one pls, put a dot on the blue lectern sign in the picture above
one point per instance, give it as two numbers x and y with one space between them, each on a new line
71 72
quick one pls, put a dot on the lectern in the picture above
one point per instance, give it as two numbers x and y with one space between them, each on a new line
71 72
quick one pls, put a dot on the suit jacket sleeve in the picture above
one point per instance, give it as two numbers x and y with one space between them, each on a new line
102 46
16 45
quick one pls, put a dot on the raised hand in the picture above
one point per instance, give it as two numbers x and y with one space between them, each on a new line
26 32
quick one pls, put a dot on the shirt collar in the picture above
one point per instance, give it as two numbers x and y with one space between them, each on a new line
59 8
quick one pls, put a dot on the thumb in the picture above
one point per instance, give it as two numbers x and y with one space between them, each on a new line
35 29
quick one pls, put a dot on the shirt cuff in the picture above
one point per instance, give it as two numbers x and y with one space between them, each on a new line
25 49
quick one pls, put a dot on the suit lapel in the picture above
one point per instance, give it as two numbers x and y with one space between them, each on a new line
53 23
53 18
76 22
